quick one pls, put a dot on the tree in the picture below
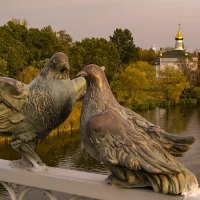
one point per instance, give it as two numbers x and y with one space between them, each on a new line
198 71
65 41
96 51
22 22
148 69
196 92
17 29
124 43
28 74
149 56
197 83
3 67
172 83
16 58
128 85
21 47
13 52
12 47
189 66
64 37
47 42
42 44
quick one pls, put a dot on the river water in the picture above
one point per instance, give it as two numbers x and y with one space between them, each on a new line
65 149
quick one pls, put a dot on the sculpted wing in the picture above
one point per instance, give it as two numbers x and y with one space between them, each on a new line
176 145
120 144
79 87
13 94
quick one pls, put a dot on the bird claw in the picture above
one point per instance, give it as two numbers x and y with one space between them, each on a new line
16 144
28 166
22 164
115 181
27 137
38 168
109 180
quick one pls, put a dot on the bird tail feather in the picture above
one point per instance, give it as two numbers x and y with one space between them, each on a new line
180 183
179 144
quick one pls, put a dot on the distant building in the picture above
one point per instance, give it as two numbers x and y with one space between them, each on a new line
177 57
153 47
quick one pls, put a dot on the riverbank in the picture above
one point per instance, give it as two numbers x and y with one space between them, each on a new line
71 125
66 151
163 104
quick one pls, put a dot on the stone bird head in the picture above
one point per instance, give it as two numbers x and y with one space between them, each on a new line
57 67
94 75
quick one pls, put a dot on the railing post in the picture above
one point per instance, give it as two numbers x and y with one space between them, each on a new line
26 190
10 190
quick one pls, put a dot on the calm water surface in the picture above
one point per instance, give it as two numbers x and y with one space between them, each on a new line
65 150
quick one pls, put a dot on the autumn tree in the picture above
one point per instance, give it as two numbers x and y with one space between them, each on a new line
130 83
28 74
124 43
172 83
198 71
149 56
148 69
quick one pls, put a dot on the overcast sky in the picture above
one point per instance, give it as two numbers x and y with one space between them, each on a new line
150 21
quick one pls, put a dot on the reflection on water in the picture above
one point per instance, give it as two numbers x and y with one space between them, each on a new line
183 120
65 150
174 119
62 151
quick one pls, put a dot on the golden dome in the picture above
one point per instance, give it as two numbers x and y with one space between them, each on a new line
179 36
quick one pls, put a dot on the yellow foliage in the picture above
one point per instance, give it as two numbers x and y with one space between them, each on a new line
28 74
172 82
128 84
73 121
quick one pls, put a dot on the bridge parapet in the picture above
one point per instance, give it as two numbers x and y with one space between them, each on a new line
86 185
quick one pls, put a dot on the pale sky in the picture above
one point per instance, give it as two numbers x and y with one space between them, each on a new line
150 21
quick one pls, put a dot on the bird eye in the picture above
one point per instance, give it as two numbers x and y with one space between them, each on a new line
95 71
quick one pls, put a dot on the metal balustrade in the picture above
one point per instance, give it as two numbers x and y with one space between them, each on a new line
78 183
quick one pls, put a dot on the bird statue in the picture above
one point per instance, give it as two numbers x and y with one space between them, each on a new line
135 151
30 112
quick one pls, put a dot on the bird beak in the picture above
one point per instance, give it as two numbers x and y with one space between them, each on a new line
81 74
103 68
65 66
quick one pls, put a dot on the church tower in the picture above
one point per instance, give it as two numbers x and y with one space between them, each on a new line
153 47
179 45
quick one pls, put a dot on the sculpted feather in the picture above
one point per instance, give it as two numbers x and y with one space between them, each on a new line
30 112
137 152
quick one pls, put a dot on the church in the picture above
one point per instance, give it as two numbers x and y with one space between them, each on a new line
178 57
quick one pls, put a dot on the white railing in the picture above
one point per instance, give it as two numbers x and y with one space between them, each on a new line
70 182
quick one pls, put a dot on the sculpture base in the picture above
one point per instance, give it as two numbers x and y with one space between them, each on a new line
27 166
64 183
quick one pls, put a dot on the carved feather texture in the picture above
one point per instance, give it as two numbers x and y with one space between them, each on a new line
13 95
133 149
30 112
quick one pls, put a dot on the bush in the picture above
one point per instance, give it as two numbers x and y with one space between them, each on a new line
196 91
